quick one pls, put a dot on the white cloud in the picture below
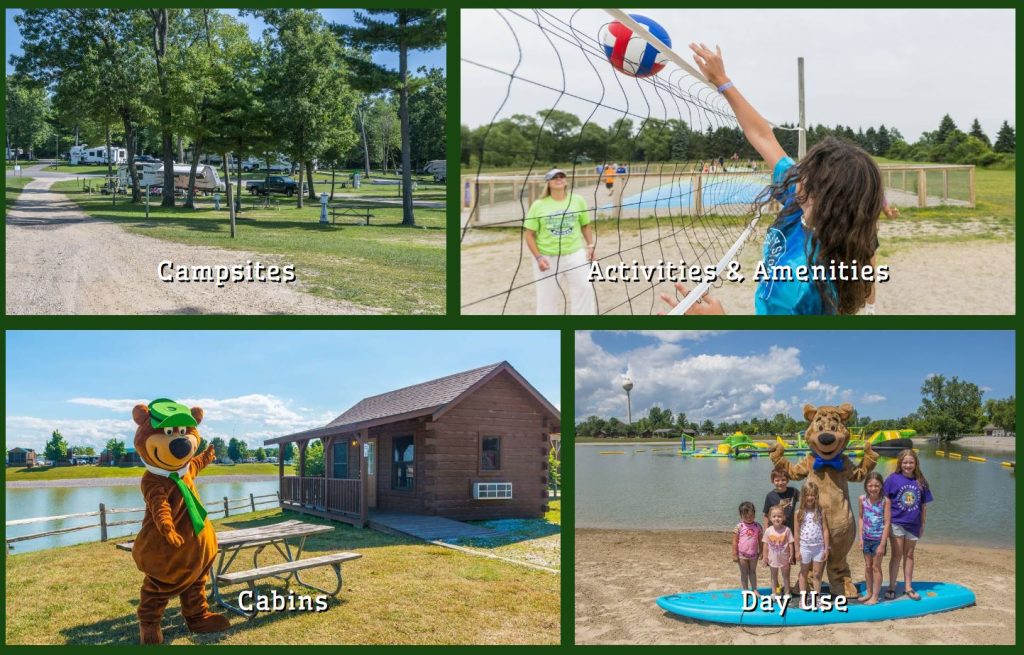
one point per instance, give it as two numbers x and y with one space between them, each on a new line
251 418
773 406
705 386
829 391
873 398
674 336
114 405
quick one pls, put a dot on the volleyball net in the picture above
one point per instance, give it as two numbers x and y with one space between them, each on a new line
668 178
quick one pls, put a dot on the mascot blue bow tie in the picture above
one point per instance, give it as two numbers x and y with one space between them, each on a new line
836 462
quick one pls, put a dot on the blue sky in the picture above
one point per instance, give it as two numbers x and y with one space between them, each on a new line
252 384
431 59
741 375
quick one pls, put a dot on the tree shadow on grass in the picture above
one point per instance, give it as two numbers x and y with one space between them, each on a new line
124 630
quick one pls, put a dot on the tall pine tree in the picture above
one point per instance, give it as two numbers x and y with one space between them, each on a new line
394 30
1006 140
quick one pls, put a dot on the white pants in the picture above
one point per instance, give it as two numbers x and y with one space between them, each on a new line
565 279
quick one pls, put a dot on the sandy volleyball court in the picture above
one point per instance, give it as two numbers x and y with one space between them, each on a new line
930 272
619 574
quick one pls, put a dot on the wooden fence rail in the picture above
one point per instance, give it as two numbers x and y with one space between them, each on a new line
249 503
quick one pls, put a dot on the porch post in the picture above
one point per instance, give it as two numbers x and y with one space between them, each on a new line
280 472
302 473
328 468
364 508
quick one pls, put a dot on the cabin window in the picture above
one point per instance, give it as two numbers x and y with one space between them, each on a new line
340 467
403 476
490 453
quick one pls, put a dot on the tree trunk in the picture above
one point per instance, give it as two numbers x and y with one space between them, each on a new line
309 178
403 112
238 196
302 187
181 149
160 18
366 145
227 188
332 182
190 199
130 137
110 164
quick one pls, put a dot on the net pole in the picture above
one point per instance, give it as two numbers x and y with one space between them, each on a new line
802 137
698 292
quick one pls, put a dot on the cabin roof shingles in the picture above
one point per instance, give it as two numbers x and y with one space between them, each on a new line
431 397
423 396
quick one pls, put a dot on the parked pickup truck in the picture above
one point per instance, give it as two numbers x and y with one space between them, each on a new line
273 184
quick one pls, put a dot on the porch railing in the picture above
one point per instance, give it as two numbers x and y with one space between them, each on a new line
339 496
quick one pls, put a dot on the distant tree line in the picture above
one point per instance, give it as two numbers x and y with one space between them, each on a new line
950 409
558 137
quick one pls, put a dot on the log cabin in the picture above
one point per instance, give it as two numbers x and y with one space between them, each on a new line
469 446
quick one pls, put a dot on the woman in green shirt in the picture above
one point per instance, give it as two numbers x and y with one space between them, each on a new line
555 230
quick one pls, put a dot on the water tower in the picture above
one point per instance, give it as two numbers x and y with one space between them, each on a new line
627 384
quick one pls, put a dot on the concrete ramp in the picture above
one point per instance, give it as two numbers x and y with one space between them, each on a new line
428 528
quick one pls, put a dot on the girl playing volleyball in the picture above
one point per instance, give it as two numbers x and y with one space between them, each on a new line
830 207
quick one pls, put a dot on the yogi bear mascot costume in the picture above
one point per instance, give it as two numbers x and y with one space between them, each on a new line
831 470
176 545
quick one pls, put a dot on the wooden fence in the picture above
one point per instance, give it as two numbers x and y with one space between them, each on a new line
105 523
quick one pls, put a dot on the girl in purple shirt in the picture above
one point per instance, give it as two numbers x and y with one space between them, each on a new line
908 493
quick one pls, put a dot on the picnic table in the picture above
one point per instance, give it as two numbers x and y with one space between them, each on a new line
230 543
350 209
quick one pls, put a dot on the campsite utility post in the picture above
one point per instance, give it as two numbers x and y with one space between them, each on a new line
323 208
801 148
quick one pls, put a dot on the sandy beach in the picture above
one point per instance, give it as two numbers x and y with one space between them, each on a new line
619 574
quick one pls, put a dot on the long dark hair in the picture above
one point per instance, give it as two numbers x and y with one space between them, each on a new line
845 186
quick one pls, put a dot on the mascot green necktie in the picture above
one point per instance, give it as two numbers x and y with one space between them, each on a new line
196 511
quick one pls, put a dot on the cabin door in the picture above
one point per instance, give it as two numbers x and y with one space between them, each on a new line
371 472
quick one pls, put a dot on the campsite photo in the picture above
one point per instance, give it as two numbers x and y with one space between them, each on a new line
413 499
737 161
793 488
225 161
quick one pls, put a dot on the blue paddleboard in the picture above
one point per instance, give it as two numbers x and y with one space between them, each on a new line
727 606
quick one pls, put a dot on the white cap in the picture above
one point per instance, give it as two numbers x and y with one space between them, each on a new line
550 175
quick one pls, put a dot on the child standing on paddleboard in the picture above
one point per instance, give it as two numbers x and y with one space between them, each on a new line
746 546
811 537
875 516
908 492
778 539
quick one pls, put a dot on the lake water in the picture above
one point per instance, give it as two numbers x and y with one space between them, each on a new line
975 502
56 501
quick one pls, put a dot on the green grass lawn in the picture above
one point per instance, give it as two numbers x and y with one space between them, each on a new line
22 162
384 265
86 472
13 189
402 591
83 169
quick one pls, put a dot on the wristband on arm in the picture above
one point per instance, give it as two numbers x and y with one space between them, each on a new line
726 86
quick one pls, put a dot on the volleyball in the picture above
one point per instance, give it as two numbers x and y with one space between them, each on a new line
629 53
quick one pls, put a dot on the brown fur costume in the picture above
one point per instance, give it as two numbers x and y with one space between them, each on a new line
176 561
827 436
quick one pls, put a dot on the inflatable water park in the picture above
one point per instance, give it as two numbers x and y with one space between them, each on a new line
742 446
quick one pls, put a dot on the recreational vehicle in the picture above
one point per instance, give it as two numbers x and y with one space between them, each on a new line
97 155
152 175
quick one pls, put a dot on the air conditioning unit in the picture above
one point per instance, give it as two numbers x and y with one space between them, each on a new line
492 491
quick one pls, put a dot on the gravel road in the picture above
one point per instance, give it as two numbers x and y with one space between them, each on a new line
60 261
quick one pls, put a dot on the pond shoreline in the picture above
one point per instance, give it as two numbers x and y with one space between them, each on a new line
126 482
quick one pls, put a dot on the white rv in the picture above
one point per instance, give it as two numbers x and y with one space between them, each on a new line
151 174
96 155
